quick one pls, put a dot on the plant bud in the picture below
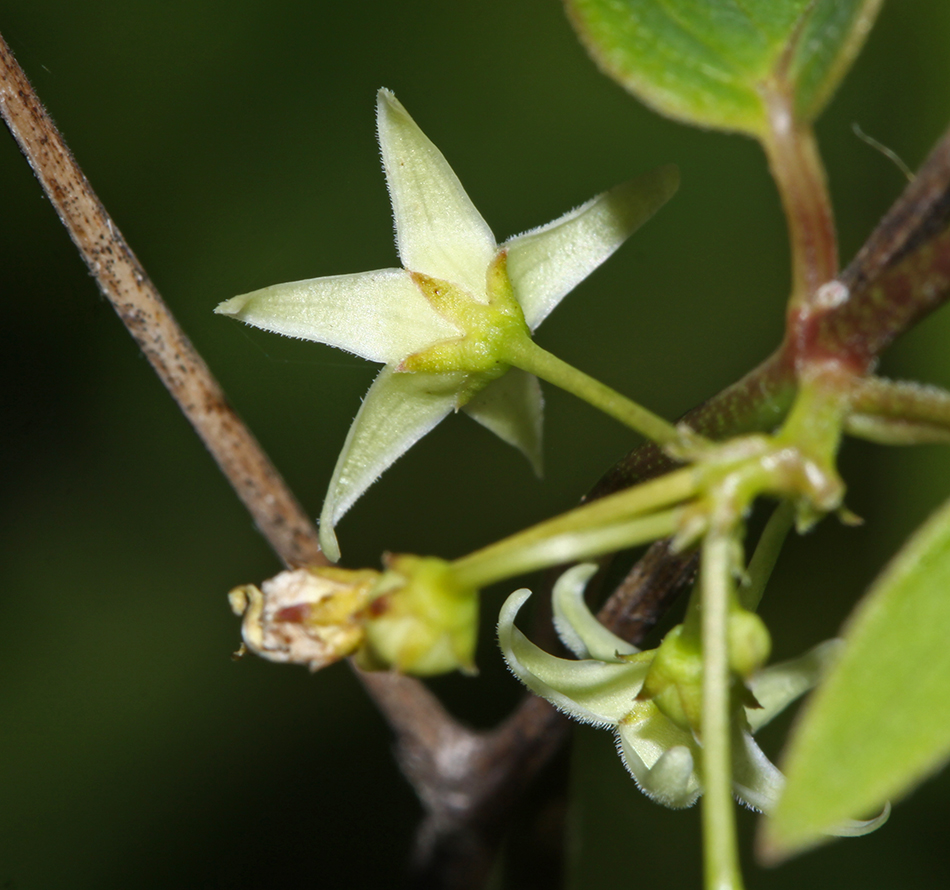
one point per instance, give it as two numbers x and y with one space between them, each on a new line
749 643
421 620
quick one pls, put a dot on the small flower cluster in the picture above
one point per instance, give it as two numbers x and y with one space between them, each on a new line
651 698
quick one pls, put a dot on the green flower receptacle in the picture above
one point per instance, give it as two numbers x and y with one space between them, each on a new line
421 620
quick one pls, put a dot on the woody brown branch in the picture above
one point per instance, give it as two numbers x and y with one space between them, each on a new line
125 284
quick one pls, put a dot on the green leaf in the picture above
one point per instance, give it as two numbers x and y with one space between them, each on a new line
881 722
711 62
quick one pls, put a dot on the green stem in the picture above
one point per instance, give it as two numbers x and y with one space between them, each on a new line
527 355
900 400
510 558
814 427
616 517
766 554
800 176
720 853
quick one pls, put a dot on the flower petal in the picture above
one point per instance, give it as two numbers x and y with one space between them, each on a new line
438 230
776 687
859 827
381 316
578 629
756 781
398 410
660 756
547 263
589 691
511 407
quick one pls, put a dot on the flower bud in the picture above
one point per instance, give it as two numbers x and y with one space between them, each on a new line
749 642
674 680
421 620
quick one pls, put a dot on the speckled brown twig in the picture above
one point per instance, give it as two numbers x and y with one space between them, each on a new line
125 284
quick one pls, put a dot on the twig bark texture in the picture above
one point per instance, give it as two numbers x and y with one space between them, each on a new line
125 284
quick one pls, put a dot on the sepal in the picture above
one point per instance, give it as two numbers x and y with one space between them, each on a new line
398 410
547 263
439 232
589 691
380 316
512 407
577 627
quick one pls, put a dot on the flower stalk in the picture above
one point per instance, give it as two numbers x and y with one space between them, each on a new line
625 519
530 357
721 856
752 585
517 556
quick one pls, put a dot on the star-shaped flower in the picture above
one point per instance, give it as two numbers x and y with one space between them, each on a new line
604 687
444 325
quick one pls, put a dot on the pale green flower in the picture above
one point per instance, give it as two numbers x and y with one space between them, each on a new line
450 314
604 686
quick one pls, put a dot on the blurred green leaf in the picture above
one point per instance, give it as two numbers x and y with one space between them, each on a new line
710 62
881 722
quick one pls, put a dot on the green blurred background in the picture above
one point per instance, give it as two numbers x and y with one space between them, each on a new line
234 146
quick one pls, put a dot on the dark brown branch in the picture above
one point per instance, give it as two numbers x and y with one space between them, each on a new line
901 274
459 839
920 213
649 589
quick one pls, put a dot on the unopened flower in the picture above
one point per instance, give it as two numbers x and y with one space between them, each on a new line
444 324
421 620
